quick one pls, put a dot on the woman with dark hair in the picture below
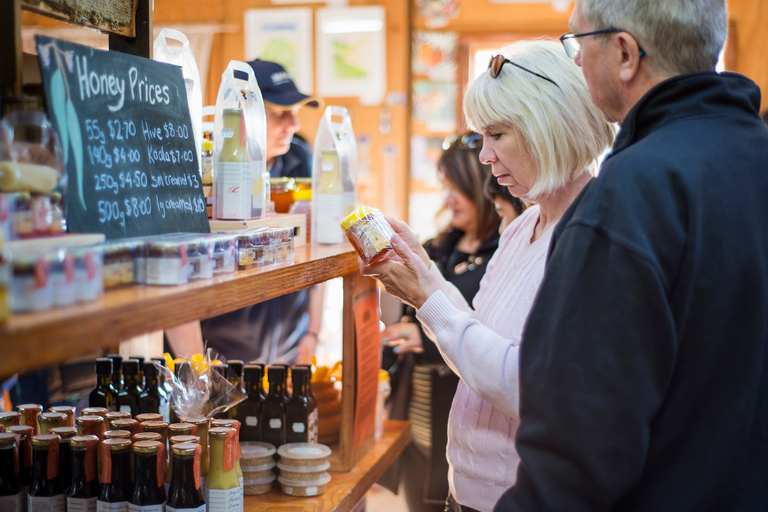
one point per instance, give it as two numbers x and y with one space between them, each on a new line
461 252
508 207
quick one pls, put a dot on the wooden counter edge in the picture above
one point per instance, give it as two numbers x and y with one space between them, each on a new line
345 489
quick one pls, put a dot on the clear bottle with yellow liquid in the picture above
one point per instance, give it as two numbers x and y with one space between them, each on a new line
232 180
224 490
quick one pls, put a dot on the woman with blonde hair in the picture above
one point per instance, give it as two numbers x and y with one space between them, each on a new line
541 136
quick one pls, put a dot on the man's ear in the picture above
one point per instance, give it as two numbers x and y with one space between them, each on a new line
629 56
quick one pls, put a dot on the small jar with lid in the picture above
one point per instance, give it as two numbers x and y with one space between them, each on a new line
166 262
89 273
10 418
62 264
303 203
369 233
31 284
146 436
119 260
115 415
181 429
224 253
29 414
282 193
149 416
66 410
126 424
49 420
200 258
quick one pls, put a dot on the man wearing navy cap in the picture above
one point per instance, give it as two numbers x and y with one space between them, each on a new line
284 328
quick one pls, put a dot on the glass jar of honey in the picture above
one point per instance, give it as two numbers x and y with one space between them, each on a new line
282 190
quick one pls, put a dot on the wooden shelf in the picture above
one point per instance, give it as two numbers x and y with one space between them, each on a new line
345 489
38 339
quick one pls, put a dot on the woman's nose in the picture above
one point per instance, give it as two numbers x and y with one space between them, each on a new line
486 156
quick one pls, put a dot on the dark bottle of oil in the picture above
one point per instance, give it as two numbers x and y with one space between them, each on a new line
298 410
104 394
85 489
116 485
46 491
117 371
153 398
128 397
273 410
185 492
149 491
313 415
249 410
10 488
25 457
235 377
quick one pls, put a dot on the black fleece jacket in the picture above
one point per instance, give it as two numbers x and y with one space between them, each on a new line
644 369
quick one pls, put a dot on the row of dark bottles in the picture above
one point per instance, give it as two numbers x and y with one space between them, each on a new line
130 385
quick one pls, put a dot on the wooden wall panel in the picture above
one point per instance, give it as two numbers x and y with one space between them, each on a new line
749 20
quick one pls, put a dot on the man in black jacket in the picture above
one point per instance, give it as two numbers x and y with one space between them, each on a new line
644 366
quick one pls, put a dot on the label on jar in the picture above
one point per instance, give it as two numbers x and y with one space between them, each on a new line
329 214
275 423
103 506
81 504
201 508
234 190
298 427
200 267
11 503
224 500
64 283
145 508
251 421
90 283
46 504
32 292
166 271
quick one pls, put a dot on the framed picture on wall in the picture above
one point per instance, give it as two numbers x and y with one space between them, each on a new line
283 36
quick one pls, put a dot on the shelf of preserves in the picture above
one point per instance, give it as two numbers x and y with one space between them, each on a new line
345 490
37 339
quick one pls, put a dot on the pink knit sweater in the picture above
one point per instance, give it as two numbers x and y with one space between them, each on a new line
482 347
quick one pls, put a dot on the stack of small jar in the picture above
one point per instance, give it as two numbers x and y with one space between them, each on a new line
303 469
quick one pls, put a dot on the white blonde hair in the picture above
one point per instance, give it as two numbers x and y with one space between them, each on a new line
559 126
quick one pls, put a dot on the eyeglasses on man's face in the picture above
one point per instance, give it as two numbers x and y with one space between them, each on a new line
497 62
572 44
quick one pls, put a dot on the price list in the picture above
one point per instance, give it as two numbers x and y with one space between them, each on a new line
130 152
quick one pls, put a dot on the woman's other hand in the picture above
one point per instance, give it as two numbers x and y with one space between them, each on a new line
403 337
404 231
404 275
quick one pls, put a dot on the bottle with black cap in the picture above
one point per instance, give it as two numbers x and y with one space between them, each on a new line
249 410
128 397
104 394
117 371
298 411
153 398
273 411
10 489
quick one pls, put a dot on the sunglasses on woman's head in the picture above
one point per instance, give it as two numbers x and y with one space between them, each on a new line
497 62
468 141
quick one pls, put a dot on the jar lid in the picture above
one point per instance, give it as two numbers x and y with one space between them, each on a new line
7 439
149 416
256 449
9 415
221 422
146 447
154 426
263 467
185 448
117 434
97 411
323 479
24 430
304 451
117 444
184 439
220 432
89 418
24 407
62 409
83 441
44 440
118 415
124 424
146 436
65 433
183 427
301 469
50 417
197 421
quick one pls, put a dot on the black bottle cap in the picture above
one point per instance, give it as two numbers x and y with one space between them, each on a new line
131 367
117 360
160 360
275 373
252 374
300 375
235 368
141 360
103 365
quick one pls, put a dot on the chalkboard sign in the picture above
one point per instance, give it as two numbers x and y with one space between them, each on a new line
127 141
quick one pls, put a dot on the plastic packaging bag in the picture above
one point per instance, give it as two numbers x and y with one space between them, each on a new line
239 142
197 390
334 175
183 57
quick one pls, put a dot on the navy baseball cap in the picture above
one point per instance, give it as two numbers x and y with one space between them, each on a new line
277 87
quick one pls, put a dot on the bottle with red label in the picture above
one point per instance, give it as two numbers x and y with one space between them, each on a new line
149 491
10 418
24 445
10 488
186 491
85 488
116 486
65 454
46 494
29 414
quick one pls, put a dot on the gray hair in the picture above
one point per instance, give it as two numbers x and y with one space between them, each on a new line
679 36
559 126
